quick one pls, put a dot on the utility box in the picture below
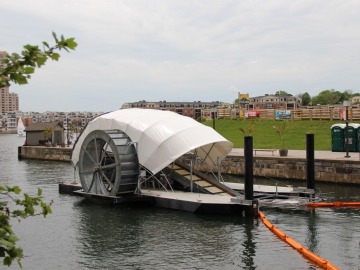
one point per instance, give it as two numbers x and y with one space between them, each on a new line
337 137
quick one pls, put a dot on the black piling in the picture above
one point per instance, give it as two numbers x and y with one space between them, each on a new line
251 211
310 161
249 174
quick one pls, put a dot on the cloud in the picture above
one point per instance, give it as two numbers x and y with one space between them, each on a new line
185 50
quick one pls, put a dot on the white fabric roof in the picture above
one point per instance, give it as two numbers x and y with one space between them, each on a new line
161 136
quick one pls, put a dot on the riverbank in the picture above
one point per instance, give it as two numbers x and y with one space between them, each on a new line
329 166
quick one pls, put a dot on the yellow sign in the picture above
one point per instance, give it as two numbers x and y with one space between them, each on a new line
243 98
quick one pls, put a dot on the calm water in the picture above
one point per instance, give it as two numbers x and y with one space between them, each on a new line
83 235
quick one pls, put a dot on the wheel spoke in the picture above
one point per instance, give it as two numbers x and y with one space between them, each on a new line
103 153
92 182
87 172
86 151
108 181
96 151
109 166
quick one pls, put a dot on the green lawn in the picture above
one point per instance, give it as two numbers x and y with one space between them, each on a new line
264 135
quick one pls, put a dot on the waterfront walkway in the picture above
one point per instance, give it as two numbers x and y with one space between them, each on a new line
354 156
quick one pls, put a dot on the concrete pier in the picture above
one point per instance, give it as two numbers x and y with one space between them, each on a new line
45 153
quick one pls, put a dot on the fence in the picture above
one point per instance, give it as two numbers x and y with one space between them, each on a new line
298 114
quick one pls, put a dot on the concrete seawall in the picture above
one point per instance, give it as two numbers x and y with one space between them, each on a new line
45 153
329 166
336 171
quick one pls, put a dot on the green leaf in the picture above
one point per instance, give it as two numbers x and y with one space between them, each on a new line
55 56
71 44
6 244
46 44
39 192
29 70
16 189
7 261
55 37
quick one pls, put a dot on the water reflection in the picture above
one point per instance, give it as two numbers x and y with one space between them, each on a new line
249 251
312 240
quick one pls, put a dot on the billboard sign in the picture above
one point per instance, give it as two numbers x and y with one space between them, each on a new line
280 115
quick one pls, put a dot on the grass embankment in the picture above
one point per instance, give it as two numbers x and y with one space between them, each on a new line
264 135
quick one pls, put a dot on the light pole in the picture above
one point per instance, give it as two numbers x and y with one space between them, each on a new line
347 103
213 116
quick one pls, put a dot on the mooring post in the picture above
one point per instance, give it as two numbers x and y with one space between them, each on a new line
310 160
249 177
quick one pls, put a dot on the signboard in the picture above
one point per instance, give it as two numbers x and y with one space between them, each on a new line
279 115
243 98
251 113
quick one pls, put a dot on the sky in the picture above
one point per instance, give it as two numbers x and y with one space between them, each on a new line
183 50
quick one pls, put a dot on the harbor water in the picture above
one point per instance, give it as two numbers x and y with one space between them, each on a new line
84 235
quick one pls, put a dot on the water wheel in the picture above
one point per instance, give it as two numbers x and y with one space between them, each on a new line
108 163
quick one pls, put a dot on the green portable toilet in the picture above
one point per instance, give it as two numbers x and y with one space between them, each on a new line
352 145
353 137
337 137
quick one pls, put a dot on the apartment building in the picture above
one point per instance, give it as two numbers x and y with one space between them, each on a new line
274 102
9 102
193 109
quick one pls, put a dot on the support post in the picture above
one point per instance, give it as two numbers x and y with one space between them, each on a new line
253 210
310 160
249 174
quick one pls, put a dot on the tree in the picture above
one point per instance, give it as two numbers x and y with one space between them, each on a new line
327 97
282 93
306 99
47 133
17 69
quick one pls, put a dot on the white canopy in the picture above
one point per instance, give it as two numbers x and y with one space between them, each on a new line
161 136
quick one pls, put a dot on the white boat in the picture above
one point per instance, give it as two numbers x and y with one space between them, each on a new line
21 128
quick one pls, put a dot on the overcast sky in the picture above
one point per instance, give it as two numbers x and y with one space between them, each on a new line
180 50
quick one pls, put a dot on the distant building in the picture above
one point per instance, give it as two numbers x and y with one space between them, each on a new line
274 102
35 134
194 109
9 102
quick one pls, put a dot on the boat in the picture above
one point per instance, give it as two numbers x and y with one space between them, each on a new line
21 128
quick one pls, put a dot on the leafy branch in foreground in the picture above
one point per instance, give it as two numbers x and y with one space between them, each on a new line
26 206
17 68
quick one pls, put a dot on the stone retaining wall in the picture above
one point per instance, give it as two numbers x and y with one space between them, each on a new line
337 171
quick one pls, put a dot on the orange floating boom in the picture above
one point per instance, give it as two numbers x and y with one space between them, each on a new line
301 249
334 204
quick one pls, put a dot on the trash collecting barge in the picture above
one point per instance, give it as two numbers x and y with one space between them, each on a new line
131 155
